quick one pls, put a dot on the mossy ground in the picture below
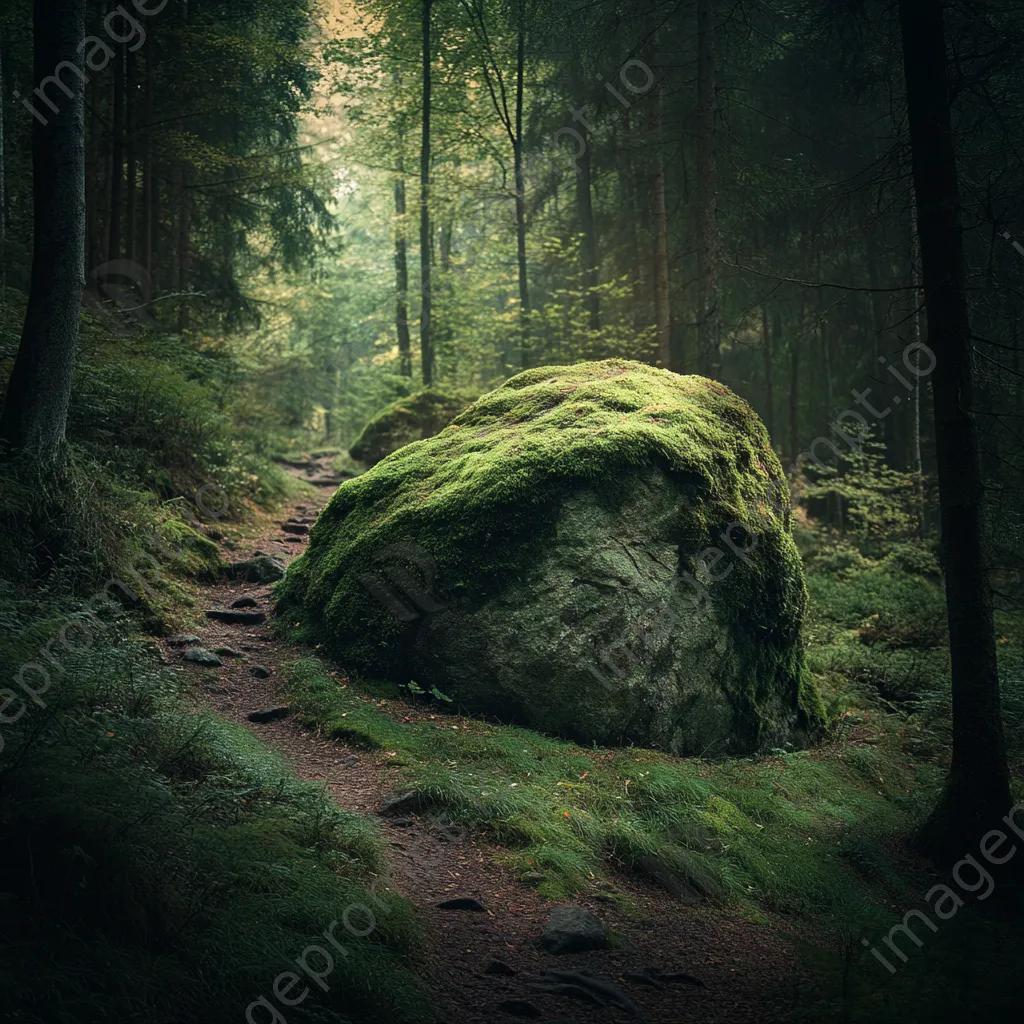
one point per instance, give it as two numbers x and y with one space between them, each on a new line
485 492
162 865
816 841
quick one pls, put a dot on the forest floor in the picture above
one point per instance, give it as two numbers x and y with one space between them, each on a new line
476 960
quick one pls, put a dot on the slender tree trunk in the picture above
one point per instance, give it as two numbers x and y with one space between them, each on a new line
116 156
769 383
588 248
131 164
3 176
150 186
589 263
662 281
402 274
184 209
709 355
977 792
426 345
794 394
35 411
182 243
880 385
524 284
917 298
93 184
627 177
145 250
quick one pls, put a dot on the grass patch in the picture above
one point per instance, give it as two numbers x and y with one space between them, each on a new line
163 865
797 833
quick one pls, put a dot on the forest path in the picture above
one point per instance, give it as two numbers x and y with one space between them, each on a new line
748 969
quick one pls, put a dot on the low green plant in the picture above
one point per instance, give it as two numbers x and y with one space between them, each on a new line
161 865
766 834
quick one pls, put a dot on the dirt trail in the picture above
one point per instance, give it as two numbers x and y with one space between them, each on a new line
748 970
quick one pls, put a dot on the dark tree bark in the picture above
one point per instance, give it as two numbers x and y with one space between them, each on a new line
708 350
794 395
588 231
35 411
769 381
148 183
662 295
3 176
183 202
426 344
116 156
402 274
130 155
524 283
977 792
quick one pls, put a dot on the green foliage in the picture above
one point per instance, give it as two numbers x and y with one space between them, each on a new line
162 865
768 835
881 505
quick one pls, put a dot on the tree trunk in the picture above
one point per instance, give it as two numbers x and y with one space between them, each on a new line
524 285
426 346
181 245
116 156
977 792
880 385
182 202
402 274
35 412
915 338
148 183
588 233
794 393
662 285
131 164
635 262
769 383
3 177
708 352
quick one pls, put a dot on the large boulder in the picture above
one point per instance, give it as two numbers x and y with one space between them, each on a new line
601 551
420 415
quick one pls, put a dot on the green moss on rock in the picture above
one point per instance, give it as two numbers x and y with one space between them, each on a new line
420 415
548 558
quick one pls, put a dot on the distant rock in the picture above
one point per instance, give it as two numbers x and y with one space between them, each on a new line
245 602
293 527
406 802
259 672
573 929
183 639
259 569
228 652
236 616
421 415
201 656
269 714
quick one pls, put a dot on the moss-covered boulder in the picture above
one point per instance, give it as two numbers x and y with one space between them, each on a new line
421 415
601 551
